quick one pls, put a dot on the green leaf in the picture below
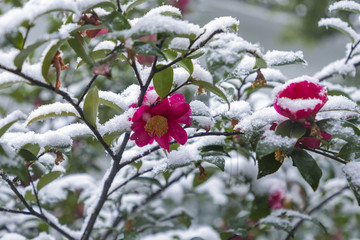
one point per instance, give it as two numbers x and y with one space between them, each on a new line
48 59
280 223
290 129
163 81
91 106
260 208
196 54
130 235
216 160
38 168
149 180
78 44
185 219
212 88
6 127
268 165
171 14
260 63
87 27
17 40
111 104
349 152
185 63
133 5
116 21
23 54
29 196
307 167
29 152
102 5
48 178
147 48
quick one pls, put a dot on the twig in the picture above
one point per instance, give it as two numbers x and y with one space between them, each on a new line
143 203
351 51
31 210
86 89
35 192
314 209
118 6
14 211
324 154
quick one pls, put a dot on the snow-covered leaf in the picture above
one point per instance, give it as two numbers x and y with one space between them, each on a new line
340 25
147 48
350 6
9 120
280 58
352 173
116 21
51 110
133 5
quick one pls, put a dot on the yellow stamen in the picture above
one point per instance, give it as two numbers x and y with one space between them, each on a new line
280 155
157 125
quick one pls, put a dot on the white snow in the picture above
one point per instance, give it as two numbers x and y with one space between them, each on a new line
339 103
352 172
105 45
179 43
204 232
198 108
238 110
294 105
346 5
119 123
276 57
11 117
340 24
7 79
259 119
66 29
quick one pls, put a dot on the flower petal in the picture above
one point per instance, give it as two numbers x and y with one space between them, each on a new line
177 132
164 141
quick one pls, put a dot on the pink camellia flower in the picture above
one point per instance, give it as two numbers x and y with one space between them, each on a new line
300 99
161 122
276 200
183 5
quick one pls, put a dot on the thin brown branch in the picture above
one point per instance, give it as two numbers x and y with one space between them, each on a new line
324 154
35 192
86 89
14 211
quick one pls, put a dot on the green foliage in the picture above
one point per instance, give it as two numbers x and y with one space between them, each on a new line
163 81
91 106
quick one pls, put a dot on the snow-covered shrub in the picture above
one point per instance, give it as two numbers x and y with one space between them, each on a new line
113 128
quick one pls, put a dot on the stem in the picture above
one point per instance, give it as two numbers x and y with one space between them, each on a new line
35 192
86 89
324 154
351 51
118 6
314 209
14 211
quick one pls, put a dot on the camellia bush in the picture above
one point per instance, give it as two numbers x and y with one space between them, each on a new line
122 120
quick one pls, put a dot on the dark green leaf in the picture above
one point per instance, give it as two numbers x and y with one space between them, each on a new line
268 165
290 129
87 27
130 235
116 21
48 178
27 155
212 88
146 48
216 160
17 40
348 151
24 53
307 167
38 169
199 179
48 59
163 81
185 219
185 63
280 223
79 46
6 127
91 106
259 208
149 180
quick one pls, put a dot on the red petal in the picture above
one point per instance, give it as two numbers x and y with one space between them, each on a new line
310 142
164 141
326 136
177 132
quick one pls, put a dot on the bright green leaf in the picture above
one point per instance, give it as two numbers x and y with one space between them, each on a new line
91 106
116 21
212 88
23 54
6 127
134 4
48 59
78 44
48 178
260 63
307 167
163 81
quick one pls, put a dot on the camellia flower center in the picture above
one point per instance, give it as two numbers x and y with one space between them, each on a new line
156 125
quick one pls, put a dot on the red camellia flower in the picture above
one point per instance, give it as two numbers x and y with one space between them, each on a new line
161 122
300 99
183 5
